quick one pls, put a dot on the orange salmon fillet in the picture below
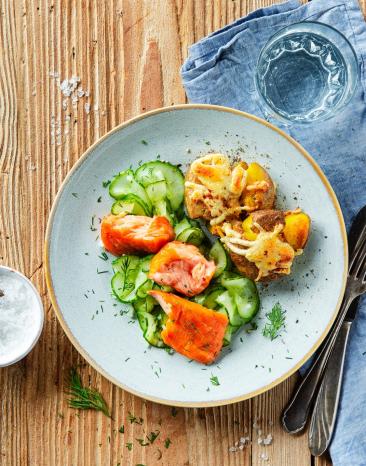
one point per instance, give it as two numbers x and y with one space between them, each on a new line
191 329
133 234
182 267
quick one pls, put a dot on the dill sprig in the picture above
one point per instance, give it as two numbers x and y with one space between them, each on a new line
276 321
84 397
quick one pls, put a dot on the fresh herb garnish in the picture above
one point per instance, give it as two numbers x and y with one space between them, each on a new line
153 436
214 380
142 442
75 195
99 199
121 430
133 419
167 442
102 271
92 227
103 256
129 446
144 142
85 397
276 321
106 183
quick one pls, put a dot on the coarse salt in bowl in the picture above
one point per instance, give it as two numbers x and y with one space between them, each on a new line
21 316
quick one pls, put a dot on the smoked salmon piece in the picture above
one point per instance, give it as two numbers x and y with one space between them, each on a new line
182 267
133 234
191 329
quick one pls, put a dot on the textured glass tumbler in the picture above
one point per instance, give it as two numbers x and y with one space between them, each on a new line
307 71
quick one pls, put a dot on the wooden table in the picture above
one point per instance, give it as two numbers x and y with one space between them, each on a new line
127 53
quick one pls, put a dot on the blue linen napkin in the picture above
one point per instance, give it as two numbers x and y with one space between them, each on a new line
220 70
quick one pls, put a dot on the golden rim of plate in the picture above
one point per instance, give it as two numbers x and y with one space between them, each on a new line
87 356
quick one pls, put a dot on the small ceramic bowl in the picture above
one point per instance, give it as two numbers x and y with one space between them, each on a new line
36 316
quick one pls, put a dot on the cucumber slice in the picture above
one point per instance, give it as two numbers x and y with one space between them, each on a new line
144 304
182 225
152 172
153 323
131 204
142 291
247 301
230 331
244 293
220 257
124 184
131 281
225 300
211 299
191 235
156 191
126 269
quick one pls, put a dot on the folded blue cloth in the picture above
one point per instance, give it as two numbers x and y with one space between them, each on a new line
220 70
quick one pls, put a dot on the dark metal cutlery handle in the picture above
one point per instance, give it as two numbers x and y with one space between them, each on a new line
295 416
326 405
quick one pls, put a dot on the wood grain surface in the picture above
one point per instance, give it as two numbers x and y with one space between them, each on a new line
127 54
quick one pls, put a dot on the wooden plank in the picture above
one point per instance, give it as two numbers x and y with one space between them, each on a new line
127 54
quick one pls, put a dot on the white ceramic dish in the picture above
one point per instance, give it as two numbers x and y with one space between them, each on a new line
82 298
27 344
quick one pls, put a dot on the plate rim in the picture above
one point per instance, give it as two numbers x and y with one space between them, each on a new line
57 308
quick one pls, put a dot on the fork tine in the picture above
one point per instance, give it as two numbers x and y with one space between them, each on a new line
356 252
360 259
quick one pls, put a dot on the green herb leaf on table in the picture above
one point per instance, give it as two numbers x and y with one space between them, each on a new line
129 446
276 322
133 419
167 442
85 397
214 380
142 442
153 436
121 430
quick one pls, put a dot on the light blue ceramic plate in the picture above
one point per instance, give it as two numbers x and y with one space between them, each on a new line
112 343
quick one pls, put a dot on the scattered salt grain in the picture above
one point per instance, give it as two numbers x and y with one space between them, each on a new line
260 441
64 104
268 440
241 447
232 449
264 457
87 107
80 92
259 432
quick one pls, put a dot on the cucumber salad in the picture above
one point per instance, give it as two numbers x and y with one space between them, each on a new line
157 189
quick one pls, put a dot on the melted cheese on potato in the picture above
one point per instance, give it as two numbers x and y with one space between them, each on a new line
268 252
217 185
214 172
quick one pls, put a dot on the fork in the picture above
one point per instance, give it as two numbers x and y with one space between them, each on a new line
295 416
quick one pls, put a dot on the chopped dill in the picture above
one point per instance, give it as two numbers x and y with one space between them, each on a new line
85 397
276 321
